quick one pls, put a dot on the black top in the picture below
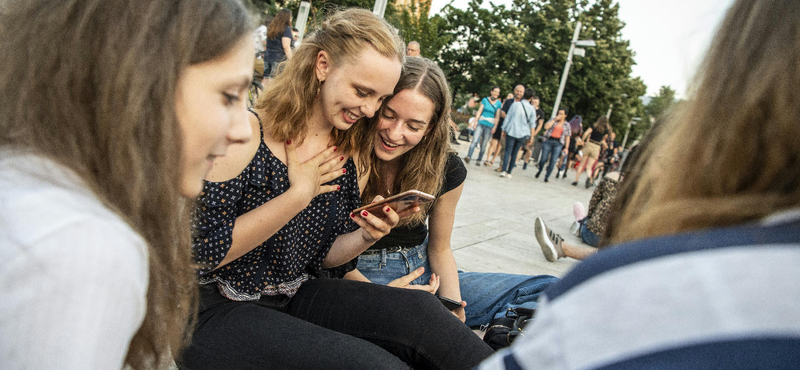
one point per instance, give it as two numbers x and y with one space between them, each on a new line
596 136
414 235
539 116
275 52
291 256
506 106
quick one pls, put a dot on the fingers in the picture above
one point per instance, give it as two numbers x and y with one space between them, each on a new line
328 188
335 162
407 212
373 226
434 283
323 156
407 279
332 175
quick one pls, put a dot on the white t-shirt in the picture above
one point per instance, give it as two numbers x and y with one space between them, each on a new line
260 38
73 277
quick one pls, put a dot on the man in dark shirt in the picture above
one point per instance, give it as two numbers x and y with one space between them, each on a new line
528 149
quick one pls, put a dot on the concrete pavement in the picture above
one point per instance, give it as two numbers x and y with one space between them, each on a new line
493 230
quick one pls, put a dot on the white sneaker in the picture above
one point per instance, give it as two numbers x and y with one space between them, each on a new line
508 175
549 241
503 174
575 229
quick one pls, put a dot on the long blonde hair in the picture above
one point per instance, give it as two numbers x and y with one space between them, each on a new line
287 100
422 167
91 85
730 155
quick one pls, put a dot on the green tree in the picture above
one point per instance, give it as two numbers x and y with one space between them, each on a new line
528 43
661 102
422 29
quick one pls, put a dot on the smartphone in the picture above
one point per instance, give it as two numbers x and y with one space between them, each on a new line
449 303
399 202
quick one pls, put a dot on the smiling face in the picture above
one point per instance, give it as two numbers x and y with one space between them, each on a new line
495 93
356 89
211 111
403 123
519 91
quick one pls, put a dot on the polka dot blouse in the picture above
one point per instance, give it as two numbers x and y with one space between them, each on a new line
291 256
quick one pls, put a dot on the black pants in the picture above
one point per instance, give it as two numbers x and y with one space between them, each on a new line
331 324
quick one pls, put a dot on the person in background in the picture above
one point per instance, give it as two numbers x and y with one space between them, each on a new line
594 141
98 165
518 129
557 133
410 152
279 43
412 49
274 230
528 148
486 117
498 142
295 38
706 237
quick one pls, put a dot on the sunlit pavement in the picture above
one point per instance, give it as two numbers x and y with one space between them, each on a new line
493 229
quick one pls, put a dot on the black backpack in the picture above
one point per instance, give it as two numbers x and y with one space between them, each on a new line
502 331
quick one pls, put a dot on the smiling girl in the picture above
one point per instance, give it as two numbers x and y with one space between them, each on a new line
275 217
411 152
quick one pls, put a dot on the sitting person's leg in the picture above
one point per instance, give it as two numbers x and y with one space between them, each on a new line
411 324
554 247
490 295
253 335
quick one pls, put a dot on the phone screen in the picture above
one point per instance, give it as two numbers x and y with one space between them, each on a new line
399 202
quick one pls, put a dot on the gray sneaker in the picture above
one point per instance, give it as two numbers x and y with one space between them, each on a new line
575 229
548 240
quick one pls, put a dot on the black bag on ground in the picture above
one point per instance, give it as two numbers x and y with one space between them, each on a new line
464 135
504 330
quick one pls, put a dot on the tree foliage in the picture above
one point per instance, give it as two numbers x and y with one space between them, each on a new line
528 43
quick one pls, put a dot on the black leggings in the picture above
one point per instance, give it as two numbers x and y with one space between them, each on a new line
331 324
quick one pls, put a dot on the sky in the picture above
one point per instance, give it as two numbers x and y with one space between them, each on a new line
669 37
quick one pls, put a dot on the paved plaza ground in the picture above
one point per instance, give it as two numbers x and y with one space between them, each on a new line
493 229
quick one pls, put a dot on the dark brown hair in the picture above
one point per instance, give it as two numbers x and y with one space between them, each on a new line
422 167
279 24
91 85
747 165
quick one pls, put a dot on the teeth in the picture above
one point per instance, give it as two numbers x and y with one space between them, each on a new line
350 115
389 145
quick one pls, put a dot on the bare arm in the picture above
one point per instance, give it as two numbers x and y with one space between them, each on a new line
478 115
287 47
586 134
440 255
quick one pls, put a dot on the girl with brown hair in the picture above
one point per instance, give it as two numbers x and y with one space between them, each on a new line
594 141
279 43
275 217
410 151
112 112
701 271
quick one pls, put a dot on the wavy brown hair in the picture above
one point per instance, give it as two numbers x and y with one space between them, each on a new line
730 154
91 85
601 125
422 167
279 24
287 100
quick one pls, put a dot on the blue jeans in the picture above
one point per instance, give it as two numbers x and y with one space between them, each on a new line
588 236
488 295
550 148
482 134
512 148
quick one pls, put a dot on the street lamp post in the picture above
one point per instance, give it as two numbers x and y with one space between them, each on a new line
568 64
632 122
380 8
611 106
302 18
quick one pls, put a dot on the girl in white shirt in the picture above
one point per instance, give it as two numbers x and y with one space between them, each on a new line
112 114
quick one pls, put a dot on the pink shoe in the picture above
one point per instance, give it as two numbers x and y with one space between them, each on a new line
578 211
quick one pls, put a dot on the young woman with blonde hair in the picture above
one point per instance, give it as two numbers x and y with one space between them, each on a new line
275 218
279 43
702 271
111 113
410 151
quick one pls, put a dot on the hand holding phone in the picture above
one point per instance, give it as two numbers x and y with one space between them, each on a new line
449 303
399 202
